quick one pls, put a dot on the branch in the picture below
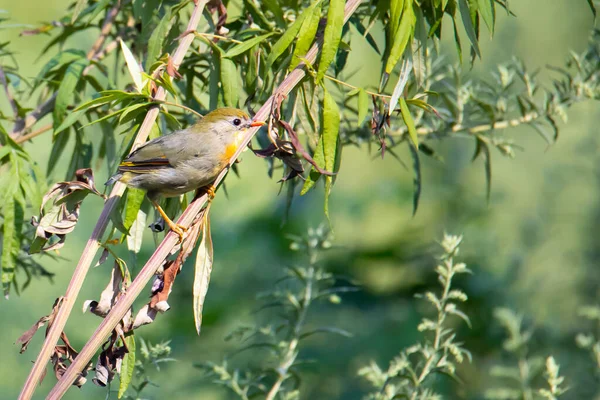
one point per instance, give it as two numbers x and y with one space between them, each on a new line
164 249
23 124
93 244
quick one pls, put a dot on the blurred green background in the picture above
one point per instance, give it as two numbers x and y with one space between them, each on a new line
533 248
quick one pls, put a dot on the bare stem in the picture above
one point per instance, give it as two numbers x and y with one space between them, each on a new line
213 36
22 139
163 250
93 243
168 103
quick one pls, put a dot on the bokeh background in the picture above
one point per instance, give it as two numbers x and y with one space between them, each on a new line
533 248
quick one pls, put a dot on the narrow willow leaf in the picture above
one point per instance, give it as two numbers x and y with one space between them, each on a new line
314 175
128 365
331 37
135 197
307 33
136 232
457 41
593 7
396 8
203 269
331 130
71 118
286 39
465 14
363 106
245 46
98 7
62 58
58 146
410 123
133 66
275 7
400 85
77 10
481 148
403 35
417 178
66 90
229 82
487 10
157 39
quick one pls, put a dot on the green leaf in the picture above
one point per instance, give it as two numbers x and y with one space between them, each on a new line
133 66
77 10
402 37
203 269
481 148
71 118
157 39
400 85
363 106
331 37
229 82
396 8
59 143
410 123
136 232
307 33
62 58
593 7
66 90
135 197
487 10
465 14
9 244
286 39
98 7
417 179
128 365
245 46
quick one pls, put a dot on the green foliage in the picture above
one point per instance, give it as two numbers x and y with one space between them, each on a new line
411 373
277 346
139 377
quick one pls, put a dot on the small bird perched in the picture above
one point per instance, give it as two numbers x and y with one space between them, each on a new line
185 160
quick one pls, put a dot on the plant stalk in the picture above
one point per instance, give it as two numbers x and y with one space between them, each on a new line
163 250
93 244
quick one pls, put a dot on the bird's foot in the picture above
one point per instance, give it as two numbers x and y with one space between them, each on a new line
210 192
179 230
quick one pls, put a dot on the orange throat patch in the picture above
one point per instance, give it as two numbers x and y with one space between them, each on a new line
232 147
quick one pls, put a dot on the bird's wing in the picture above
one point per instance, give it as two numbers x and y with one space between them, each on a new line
147 158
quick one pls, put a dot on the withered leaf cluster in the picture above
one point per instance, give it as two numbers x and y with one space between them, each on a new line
52 226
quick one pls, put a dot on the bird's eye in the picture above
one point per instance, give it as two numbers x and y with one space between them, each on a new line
237 122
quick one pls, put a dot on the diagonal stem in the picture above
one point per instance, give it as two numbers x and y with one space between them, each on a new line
163 250
93 244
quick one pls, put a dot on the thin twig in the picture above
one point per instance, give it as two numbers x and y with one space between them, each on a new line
168 103
164 249
93 244
22 139
211 35
9 96
331 78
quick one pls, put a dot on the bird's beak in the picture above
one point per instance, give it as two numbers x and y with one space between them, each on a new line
256 123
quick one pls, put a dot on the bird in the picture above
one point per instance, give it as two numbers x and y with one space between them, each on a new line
185 160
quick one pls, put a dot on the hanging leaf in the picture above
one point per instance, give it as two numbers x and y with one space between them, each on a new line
286 39
403 35
417 178
331 37
400 85
157 39
465 14
136 232
134 67
481 148
66 90
229 80
410 123
128 365
487 10
307 33
203 269
363 106
593 7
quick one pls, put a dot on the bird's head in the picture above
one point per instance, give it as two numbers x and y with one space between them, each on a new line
226 122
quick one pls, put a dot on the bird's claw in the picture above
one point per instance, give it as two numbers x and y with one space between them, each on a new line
179 230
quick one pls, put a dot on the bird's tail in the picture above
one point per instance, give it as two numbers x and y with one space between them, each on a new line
114 179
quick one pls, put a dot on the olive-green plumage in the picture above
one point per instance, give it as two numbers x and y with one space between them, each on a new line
187 159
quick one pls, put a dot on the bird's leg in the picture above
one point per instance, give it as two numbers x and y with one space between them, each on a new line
210 191
178 229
